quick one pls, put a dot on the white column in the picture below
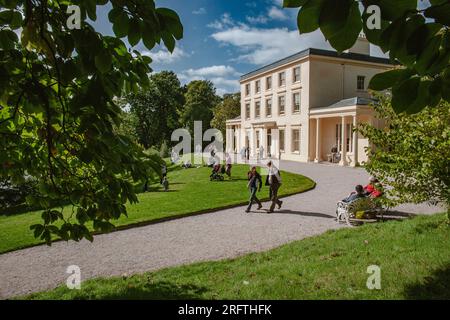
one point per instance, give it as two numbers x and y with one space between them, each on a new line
318 141
343 161
355 143
264 140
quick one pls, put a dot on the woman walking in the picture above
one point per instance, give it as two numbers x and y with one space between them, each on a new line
254 185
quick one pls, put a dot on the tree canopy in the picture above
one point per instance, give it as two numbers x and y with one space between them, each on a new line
417 39
57 106
228 108
200 100
156 109
412 153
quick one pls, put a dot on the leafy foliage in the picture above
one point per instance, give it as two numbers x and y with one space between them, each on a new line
228 108
200 100
58 112
417 39
156 108
412 154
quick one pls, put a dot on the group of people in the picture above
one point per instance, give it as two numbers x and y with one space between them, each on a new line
254 185
373 190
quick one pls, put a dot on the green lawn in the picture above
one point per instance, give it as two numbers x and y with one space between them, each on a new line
413 255
190 192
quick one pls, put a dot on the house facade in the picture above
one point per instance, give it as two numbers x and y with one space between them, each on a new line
303 106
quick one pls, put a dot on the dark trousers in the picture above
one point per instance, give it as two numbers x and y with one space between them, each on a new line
273 193
253 198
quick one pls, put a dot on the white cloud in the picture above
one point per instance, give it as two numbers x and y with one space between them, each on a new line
224 78
199 11
225 21
262 46
165 57
278 14
257 20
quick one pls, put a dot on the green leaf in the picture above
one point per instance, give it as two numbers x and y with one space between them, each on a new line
388 79
340 22
148 37
405 94
11 18
391 10
169 41
293 3
121 25
429 55
134 32
7 39
440 13
309 15
103 61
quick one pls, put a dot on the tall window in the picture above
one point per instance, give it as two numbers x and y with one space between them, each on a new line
349 137
338 136
361 83
247 89
258 141
269 83
268 107
296 102
281 79
282 134
247 110
295 140
258 86
281 105
296 73
257 109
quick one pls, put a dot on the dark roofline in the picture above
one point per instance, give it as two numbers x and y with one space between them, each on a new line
317 52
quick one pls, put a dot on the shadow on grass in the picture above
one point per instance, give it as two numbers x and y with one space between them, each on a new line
156 291
435 286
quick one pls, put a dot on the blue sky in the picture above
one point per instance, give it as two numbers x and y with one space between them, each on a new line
226 38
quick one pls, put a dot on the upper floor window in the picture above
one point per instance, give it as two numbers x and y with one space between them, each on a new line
257 109
296 74
269 83
247 89
361 83
296 102
269 107
281 104
258 86
247 111
281 79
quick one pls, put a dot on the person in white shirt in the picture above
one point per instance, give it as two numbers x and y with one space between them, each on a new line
274 182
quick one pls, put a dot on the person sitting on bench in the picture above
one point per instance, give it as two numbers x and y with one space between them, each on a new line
355 195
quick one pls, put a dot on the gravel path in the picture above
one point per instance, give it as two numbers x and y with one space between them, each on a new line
222 234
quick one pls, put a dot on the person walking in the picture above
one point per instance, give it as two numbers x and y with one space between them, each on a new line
254 185
274 182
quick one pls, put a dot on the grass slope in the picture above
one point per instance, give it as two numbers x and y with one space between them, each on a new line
190 192
413 255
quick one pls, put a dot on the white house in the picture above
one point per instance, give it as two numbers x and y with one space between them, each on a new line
302 106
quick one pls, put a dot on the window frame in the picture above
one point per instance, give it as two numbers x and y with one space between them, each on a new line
247 111
280 84
284 105
299 102
258 107
282 142
269 87
360 79
271 107
299 74
257 86
247 89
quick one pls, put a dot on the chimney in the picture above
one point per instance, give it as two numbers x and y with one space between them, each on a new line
361 46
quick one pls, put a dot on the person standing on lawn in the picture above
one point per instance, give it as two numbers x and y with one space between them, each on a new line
254 185
274 182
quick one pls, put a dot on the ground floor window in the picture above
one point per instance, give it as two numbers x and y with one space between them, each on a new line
281 140
296 140
257 139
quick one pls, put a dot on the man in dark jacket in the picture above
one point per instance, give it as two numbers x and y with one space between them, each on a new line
274 181
254 185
